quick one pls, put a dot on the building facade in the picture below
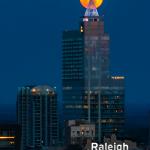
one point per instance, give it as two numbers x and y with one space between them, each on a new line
73 74
112 117
38 117
89 90
79 131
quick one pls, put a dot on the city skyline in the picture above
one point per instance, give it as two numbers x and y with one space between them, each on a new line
28 52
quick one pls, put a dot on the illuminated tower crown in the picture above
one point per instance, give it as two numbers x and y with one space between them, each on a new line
91 10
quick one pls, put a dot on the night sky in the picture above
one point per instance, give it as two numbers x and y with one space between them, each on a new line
30 46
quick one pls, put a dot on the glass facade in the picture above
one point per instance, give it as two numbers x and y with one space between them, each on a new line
89 90
73 74
112 113
96 52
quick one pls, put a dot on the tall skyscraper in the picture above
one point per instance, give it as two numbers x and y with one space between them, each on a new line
37 116
89 90
73 74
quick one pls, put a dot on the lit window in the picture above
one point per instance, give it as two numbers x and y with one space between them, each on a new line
81 29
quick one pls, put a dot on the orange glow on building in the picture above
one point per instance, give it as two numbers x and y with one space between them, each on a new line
118 77
33 90
6 137
85 3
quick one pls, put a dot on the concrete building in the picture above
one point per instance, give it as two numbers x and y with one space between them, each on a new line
79 131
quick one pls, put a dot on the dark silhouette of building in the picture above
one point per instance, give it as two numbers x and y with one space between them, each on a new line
38 117
73 147
10 137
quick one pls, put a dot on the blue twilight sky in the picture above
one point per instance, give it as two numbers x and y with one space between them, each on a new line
30 46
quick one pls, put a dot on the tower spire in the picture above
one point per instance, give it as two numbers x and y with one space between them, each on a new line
91 10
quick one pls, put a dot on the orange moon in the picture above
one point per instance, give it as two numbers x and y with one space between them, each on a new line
85 3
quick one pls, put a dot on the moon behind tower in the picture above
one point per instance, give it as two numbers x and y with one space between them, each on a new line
85 3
